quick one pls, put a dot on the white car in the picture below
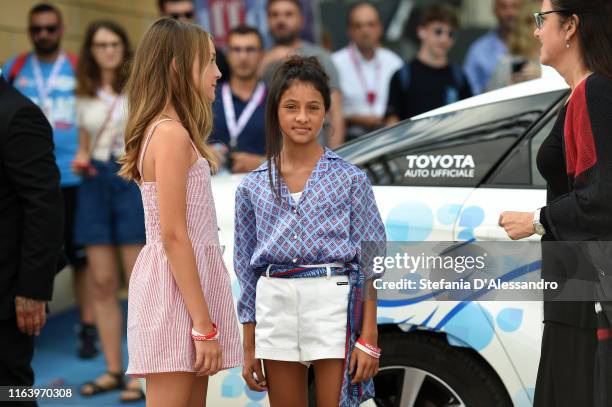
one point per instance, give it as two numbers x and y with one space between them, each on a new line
444 176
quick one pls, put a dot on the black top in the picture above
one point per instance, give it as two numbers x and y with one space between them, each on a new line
418 88
557 264
579 191
32 214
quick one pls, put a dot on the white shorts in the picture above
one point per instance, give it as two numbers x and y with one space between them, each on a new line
301 319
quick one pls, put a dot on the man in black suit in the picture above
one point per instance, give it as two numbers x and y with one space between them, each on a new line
31 231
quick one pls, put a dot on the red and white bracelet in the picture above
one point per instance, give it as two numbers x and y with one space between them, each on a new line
367 348
213 336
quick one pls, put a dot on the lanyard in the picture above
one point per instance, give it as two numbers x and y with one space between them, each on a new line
235 128
43 88
110 115
370 93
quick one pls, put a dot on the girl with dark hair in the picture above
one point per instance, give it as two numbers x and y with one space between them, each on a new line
109 218
576 161
300 222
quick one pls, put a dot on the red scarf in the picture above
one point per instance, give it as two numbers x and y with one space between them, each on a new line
580 152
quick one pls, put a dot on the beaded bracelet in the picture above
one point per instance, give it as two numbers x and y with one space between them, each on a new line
213 336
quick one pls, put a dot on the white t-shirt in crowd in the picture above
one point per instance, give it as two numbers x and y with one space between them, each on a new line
376 73
91 114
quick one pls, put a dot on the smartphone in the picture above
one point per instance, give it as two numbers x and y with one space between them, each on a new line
518 65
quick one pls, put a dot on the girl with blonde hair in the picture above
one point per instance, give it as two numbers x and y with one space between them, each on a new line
182 326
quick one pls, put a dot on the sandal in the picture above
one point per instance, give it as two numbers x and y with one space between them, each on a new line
130 388
98 389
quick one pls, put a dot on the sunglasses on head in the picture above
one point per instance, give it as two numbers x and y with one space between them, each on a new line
539 16
440 31
37 29
186 14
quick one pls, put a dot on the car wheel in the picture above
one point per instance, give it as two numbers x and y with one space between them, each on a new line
423 370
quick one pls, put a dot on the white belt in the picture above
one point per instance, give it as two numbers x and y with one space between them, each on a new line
327 266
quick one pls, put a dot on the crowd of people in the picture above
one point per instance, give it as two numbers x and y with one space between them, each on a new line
372 87
359 88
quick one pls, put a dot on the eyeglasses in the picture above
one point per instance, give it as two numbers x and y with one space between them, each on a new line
539 16
452 34
187 15
107 45
248 50
37 29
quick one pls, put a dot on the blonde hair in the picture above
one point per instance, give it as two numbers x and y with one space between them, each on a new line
161 74
521 41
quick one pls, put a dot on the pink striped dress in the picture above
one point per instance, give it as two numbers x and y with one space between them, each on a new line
159 326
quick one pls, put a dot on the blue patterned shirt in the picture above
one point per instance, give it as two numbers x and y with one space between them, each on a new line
335 214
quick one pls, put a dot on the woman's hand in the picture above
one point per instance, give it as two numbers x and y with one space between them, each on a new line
362 366
253 366
208 358
80 162
245 162
518 225
529 72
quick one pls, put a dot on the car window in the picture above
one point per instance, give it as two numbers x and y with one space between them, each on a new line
520 168
461 165
536 178
458 149
464 153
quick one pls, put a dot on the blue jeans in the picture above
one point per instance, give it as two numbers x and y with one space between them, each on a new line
109 209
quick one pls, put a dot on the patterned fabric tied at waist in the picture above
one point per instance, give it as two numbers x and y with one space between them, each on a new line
351 395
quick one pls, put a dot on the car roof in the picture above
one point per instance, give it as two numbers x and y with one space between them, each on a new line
549 82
